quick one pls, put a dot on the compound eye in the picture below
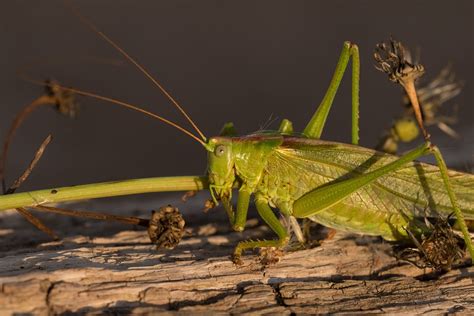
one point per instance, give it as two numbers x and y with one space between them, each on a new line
220 150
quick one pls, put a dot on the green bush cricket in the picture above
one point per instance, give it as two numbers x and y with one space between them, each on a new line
343 186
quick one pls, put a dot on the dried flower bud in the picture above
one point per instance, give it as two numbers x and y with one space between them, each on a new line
166 227
439 250
393 59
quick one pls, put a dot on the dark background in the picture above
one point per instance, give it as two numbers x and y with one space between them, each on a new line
243 61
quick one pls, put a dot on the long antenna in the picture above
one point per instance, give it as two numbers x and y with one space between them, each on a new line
121 103
87 22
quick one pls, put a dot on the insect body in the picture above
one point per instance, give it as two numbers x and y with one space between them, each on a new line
284 172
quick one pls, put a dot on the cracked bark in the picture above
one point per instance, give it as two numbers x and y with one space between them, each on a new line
114 269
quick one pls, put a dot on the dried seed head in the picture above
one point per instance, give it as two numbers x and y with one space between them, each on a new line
66 103
443 247
439 250
166 227
394 60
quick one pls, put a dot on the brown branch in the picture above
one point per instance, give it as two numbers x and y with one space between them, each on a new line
39 153
93 215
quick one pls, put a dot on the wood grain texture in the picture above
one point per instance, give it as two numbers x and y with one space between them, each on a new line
110 268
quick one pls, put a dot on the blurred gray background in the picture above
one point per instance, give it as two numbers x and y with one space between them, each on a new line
249 62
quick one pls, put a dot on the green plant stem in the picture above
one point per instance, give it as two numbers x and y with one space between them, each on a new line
104 189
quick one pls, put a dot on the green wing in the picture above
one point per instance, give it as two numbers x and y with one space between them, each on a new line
384 207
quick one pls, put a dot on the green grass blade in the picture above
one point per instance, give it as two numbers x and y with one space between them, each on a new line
104 189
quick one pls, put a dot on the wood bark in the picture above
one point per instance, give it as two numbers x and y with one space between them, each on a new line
111 268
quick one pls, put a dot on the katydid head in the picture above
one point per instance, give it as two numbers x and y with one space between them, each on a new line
221 166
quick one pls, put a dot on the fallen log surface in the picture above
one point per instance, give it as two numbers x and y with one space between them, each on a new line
112 268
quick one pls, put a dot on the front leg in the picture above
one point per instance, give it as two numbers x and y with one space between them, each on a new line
243 201
267 214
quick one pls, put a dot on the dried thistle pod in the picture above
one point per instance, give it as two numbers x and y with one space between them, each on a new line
393 59
166 227
439 249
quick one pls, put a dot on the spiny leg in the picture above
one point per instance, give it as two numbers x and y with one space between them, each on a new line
315 126
267 214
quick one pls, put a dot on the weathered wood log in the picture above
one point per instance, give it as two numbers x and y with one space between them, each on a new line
109 268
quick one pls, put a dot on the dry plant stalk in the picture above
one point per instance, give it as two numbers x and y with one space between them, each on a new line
55 96
23 211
